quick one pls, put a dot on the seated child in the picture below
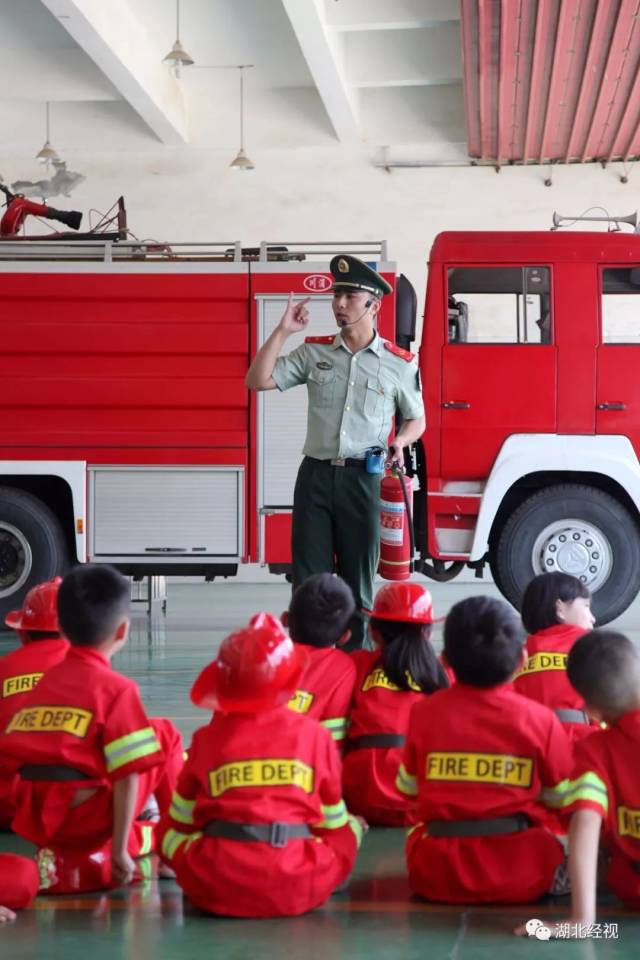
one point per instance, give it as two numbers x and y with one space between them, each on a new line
257 826
556 610
41 648
604 791
19 881
477 758
86 752
389 681
318 618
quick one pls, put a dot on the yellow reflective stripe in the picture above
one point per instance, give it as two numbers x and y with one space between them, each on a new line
356 827
172 841
126 749
589 787
337 727
334 816
181 809
146 843
193 837
406 783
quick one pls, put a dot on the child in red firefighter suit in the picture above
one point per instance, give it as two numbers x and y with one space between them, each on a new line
318 618
19 881
257 826
478 758
389 682
41 648
556 610
87 754
603 794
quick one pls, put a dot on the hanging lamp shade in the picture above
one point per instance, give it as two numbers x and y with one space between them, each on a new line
178 56
47 154
241 161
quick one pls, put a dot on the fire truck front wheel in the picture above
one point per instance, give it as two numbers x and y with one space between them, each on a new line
32 546
575 529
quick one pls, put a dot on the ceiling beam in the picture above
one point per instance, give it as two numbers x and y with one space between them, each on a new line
322 51
119 45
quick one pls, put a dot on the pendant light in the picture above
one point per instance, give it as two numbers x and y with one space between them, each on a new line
47 154
242 161
177 58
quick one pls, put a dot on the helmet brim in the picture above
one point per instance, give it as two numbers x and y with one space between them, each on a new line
14 619
208 691
398 619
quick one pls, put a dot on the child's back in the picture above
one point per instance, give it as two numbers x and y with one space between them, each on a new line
605 667
477 759
41 648
379 720
257 826
318 619
556 611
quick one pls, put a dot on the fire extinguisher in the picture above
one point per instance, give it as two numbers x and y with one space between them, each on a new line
396 525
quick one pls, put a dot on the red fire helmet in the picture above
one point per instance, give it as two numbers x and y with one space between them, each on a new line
39 611
19 881
406 602
75 870
257 668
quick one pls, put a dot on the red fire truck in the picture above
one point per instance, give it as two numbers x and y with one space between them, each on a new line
127 435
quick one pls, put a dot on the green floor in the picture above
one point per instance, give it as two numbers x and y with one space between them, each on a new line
374 917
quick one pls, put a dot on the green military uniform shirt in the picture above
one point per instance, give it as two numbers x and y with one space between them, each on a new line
352 396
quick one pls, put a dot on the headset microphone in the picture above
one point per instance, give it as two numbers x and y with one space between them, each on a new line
351 323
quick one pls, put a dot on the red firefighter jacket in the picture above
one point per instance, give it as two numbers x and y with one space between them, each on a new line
84 715
605 779
369 774
273 767
326 688
544 677
477 754
20 671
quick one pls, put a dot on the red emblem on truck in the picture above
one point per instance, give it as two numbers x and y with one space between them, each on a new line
317 282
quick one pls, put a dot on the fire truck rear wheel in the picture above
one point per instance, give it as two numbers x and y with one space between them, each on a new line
32 546
576 529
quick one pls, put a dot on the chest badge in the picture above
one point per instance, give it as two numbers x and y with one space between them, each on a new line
324 365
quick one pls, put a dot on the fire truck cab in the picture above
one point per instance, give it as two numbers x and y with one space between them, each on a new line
127 435
529 360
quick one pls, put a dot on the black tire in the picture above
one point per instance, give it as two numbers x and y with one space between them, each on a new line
32 547
511 559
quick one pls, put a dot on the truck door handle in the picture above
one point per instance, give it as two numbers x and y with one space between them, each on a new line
165 549
456 405
617 405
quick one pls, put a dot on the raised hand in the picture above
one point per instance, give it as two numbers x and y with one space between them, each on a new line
296 316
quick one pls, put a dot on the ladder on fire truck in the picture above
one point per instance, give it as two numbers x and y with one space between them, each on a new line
213 251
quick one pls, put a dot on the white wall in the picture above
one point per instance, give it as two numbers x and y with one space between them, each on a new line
327 194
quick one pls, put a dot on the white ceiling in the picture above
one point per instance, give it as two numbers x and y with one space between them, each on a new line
342 72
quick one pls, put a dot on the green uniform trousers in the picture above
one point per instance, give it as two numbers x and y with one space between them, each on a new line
336 529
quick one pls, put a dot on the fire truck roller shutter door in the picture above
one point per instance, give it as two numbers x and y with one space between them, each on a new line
32 546
576 529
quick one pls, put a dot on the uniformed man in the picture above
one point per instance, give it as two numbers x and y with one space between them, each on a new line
356 382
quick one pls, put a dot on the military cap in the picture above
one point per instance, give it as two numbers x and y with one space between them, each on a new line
350 273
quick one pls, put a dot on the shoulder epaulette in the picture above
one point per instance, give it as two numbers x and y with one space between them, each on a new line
328 339
398 351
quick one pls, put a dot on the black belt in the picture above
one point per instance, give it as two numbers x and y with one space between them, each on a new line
478 828
275 834
376 740
572 716
346 462
53 771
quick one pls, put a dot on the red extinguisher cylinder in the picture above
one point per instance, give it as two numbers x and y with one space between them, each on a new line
395 537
